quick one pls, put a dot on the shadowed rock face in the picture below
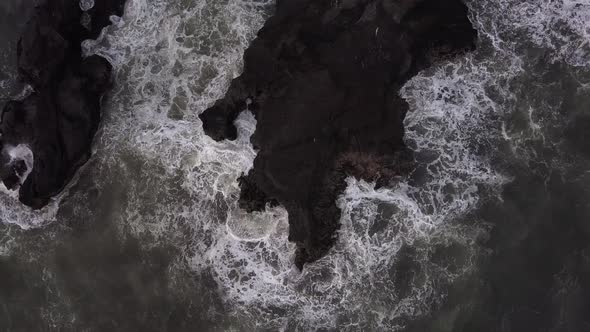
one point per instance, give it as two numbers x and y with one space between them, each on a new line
322 79
56 122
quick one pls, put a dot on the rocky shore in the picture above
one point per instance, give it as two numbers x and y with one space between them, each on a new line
47 136
322 79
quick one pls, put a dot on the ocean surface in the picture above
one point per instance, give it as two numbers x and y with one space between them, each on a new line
491 232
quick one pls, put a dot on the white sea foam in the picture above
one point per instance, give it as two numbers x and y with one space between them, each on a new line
11 211
173 59
562 26
7 243
358 285
535 35
86 5
455 125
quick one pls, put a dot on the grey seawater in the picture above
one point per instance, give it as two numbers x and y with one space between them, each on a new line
148 236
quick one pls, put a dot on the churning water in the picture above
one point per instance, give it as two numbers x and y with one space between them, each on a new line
149 234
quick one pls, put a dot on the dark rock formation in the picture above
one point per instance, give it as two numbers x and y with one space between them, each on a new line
322 79
57 122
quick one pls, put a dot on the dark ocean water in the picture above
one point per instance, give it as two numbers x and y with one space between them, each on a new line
490 233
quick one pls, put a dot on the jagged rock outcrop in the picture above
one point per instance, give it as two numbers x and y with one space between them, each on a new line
57 121
322 79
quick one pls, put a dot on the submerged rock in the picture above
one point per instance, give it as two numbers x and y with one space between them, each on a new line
322 79
58 120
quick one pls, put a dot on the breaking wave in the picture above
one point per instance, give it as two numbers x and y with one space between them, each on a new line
161 178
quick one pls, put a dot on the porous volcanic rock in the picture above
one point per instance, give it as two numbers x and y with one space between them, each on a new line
58 120
322 79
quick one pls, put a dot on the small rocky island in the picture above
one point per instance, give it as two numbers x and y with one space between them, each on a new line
47 136
322 79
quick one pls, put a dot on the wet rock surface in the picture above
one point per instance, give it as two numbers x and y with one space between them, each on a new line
322 79
57 121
